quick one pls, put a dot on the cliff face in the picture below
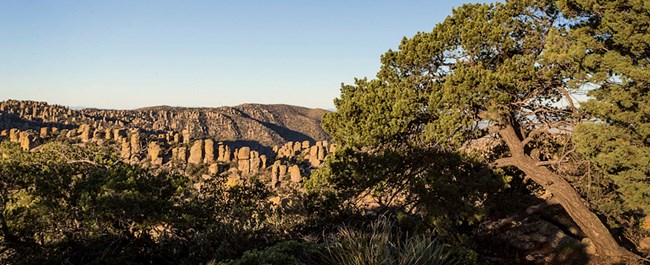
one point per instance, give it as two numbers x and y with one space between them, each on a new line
252 124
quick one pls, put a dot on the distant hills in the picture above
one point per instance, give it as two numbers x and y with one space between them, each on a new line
253 124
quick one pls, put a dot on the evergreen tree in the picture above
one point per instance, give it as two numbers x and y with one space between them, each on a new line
618 141
506 70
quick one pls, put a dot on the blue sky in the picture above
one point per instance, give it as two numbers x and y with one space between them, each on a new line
129 54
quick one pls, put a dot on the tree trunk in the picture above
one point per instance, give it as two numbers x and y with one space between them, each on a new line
564 193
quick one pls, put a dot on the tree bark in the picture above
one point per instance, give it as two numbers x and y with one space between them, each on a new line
563 192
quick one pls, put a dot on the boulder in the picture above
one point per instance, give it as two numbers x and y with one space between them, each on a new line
294 172
26 140
196 152
108 134
213 169
538 235
209 151
180 154
119 134
275 174
221 156
297 147
125 152
320 155
155 153
135 142
232 181
45 132
244 166
313 155
85 132
263 160
244 153
644 245
14 135
227 155
186 136
255 162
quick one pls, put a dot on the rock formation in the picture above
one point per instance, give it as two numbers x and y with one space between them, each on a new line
209 151
243 160
294 173
234 144
196 152
26 140
155 153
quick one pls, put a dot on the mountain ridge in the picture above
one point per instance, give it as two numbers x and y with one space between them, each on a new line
262 124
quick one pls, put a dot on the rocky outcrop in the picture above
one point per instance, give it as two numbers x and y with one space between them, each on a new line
179 154
26 140
196 152
154 152
275 174
45 132
135 142
85 133
209 151
164 137
213 169
125 152
243 160
14 135
224 153
294 173
264 124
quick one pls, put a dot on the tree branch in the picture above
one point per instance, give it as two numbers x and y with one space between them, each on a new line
533 133
504 162
569 99
553 162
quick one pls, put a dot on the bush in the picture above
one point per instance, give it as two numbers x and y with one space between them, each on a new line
383 246
287 252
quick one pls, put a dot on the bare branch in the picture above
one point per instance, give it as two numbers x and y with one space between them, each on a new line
81 161
569 99
533 133
553 162
504 162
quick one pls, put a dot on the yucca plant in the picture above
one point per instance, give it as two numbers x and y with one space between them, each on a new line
382 245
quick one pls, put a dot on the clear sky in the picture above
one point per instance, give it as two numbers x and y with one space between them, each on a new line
133 53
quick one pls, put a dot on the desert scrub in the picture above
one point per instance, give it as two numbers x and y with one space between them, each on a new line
383 244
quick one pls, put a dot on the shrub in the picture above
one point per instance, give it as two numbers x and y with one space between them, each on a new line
287 252
382 245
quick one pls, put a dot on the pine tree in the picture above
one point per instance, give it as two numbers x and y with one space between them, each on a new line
507 70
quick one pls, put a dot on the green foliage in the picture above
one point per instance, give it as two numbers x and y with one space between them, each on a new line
616 64
286 252
621 158
403 130
382 245
61 198
64 203
446 189
505 70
